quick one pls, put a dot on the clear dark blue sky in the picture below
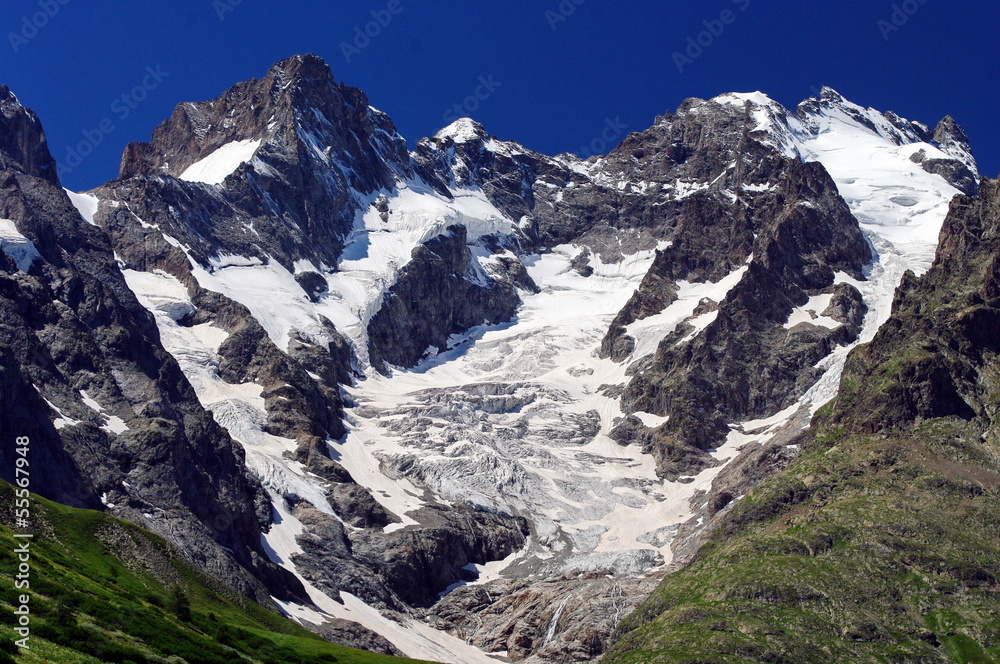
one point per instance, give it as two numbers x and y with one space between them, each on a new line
557 87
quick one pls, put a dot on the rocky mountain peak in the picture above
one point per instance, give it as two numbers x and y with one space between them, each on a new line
955 142
275 168
463 130
22 142
756 98
296 110
307 67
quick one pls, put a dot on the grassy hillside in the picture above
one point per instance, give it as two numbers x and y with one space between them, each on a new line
104 590
881 542
870 549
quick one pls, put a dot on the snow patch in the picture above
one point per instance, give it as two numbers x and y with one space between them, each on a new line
650 420
649 332
159 291
811 312
112 423
741 98
86 204
20 249
216 167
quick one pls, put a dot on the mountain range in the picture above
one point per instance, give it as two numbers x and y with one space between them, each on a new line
726 393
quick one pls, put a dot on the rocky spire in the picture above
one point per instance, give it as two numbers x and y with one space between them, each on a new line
22 142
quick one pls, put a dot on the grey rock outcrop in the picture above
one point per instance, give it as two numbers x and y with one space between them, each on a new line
437 294
568 619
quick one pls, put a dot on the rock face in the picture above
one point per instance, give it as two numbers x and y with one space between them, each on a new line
878 539
22 145
407 567
561 619
111 417
343 631
790 229
438 294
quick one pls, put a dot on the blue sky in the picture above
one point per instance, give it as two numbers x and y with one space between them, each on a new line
558 73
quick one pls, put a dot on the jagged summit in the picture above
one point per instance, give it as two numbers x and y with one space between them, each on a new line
758 98
947 136
462 131
274 169
23 146
296 108
306 67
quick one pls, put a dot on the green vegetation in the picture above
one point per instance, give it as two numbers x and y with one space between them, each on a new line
106 591
868 549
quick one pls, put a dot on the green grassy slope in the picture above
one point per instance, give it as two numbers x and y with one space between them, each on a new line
104 590
870 549
881 542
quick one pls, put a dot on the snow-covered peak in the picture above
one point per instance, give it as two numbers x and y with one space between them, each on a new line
833 111
463 130
741 98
